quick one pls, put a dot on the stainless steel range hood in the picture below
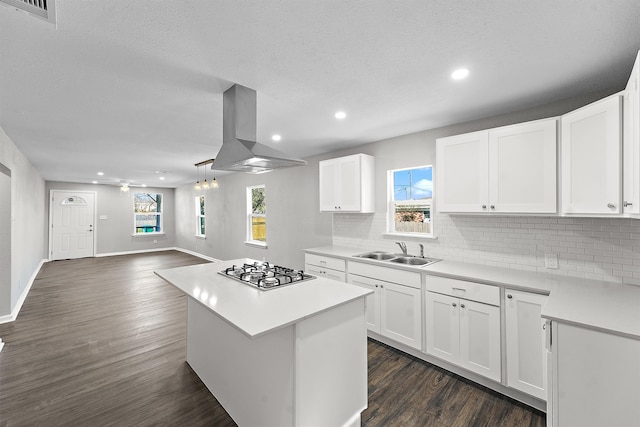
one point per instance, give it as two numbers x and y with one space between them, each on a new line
240 152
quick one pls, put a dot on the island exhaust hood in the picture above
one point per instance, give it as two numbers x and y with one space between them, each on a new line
240 152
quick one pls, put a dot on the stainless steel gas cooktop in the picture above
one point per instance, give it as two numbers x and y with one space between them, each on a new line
265 276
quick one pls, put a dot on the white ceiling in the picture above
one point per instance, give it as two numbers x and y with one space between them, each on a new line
131 88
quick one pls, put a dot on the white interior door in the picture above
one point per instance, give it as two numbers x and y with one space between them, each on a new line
72 219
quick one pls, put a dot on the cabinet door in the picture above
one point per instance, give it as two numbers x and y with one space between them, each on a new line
462 173
631 141
328 182
522 167
591 164
348 185
401 314
596 378
372 301
480 338
526 350
442 324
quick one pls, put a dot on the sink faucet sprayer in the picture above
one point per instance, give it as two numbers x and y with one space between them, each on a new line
421 250
403 246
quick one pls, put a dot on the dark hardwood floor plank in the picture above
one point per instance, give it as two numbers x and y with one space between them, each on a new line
101 342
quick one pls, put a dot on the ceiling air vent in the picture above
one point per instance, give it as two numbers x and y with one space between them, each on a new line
44 9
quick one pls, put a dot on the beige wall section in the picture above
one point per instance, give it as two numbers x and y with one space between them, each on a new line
28 247
293 218
114 234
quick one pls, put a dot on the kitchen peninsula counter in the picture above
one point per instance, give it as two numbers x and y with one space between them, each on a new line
289 356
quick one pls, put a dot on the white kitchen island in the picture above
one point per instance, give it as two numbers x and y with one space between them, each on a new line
291 356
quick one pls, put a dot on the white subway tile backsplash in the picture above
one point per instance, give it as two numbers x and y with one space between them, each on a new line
598 248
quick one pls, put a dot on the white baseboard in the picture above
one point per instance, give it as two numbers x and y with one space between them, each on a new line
14 313
142 251
199 255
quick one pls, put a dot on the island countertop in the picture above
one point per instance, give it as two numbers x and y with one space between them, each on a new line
253 311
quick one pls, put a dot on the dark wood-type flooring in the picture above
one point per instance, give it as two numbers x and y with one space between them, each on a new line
101 342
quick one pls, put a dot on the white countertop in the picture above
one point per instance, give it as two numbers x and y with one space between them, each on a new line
253 311
611 307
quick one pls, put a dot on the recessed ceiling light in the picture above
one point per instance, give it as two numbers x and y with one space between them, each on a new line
460 74
144 185
340 115
162 178
100 173
94 182
276 137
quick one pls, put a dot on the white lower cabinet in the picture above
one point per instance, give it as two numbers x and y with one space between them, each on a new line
394 310
525 343
595 378
463 331
327 267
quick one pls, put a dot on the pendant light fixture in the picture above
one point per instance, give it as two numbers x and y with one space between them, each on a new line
205 184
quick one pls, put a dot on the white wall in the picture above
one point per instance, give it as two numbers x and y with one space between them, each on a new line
114 234
27 223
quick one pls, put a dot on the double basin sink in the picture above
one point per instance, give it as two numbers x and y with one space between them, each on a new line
397 258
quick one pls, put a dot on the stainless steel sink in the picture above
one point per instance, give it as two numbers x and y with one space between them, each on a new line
378 255
413 260
397 258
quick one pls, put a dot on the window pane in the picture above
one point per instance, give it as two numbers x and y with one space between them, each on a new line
411 200
202 226
258 201
259 228
201 205
147 223
145 202
413 184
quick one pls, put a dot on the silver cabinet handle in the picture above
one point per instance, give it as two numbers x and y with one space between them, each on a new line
626 204
509 296
454 304
382 286
462 305
484 206
459 289
611 205
493 208
544 326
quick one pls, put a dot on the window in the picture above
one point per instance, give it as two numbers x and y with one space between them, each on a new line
200 222
257 209
147 213
410 200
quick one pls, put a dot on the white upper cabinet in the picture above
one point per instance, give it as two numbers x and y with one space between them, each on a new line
462 165
631 141
347 184
591 158
522 168
511 169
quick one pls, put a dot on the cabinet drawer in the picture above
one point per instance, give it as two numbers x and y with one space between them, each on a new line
387 274
323 261
487 294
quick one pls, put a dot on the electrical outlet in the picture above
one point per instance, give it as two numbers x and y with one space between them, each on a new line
155 242
551 261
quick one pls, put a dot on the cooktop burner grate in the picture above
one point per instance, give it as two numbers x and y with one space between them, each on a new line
264 275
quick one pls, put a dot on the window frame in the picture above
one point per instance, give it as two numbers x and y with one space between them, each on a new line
391 205
251 215
201 211
158 213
